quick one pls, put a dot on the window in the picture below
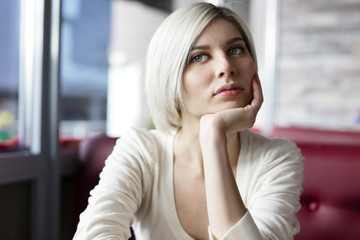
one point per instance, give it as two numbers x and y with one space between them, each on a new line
29 169
9 72
84 67
21 70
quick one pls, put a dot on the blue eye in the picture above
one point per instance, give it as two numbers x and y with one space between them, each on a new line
235 51
199 58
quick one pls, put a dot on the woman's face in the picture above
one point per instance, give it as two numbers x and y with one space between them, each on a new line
219 71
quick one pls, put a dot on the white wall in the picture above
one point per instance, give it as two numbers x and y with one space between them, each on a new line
133 25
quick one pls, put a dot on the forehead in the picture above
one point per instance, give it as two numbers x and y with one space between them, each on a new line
218 30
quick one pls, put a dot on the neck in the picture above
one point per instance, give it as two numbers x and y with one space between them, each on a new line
187 142
187 145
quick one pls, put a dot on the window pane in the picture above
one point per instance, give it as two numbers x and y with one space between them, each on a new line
21 31
84 67
9 73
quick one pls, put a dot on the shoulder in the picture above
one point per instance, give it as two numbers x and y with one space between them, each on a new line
272 148
266 142
144 143
263 140
145 137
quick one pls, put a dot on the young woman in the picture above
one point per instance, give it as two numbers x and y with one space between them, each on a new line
202 174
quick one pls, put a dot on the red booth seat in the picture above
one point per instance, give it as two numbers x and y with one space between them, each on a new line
331 196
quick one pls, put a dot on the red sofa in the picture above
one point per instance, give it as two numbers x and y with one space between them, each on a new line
331 196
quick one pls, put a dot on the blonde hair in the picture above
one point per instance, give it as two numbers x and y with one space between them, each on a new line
167 58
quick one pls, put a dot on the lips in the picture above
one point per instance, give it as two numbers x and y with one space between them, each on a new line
229 90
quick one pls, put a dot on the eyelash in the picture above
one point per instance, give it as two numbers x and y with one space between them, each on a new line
192 60
241 48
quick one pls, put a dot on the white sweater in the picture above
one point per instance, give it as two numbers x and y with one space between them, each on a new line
136 189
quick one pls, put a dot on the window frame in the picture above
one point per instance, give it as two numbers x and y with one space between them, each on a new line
40 164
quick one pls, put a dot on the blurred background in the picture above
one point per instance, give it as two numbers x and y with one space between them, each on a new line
73 69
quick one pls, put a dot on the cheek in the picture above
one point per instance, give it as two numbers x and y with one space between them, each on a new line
250 73
195 90
194 79
194 82
250 66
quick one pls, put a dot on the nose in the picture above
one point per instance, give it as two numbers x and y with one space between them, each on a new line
224 67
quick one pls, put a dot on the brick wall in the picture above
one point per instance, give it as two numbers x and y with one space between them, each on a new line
318 81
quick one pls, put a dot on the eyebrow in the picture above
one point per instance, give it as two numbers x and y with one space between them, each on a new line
201 47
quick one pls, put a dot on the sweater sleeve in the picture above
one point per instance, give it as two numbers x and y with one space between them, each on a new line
245 228
115 200
275 196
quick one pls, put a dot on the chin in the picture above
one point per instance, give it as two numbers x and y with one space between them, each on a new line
235 103
230 105
239 103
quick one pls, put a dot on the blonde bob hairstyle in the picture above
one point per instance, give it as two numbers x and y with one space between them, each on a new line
168 53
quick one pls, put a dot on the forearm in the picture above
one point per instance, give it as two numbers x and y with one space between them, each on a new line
218 133
224 203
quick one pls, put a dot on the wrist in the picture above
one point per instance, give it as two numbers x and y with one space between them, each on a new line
211 131
213 145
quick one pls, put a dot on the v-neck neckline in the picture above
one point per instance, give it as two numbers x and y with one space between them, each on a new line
178 228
